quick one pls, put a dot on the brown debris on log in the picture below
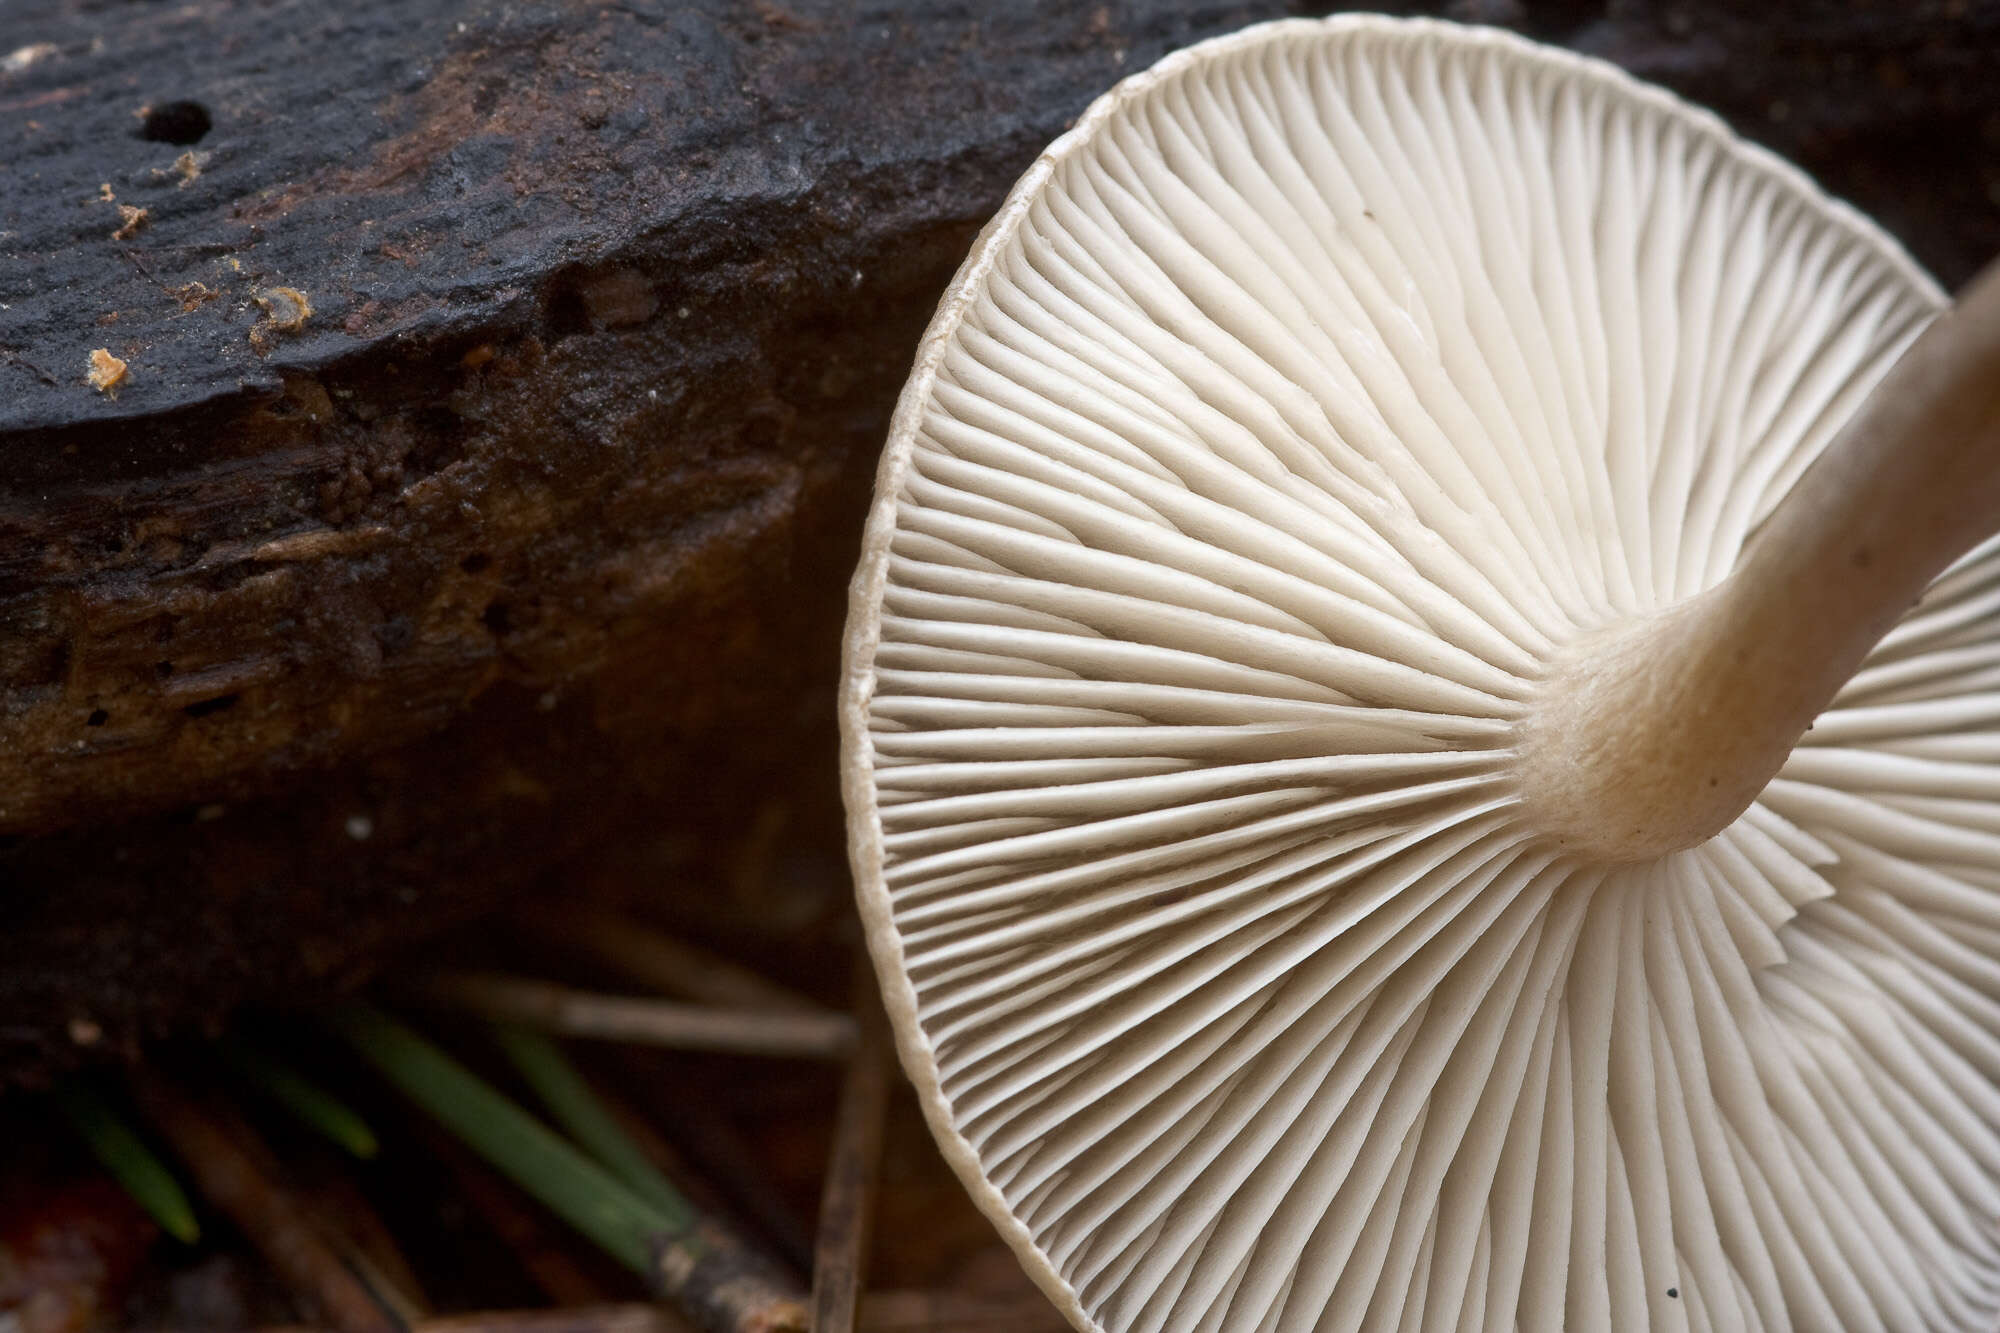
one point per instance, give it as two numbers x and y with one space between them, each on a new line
527 546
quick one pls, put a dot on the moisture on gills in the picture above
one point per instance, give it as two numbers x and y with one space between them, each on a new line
1653 736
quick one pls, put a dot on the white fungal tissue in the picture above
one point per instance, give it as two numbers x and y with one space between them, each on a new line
1301 404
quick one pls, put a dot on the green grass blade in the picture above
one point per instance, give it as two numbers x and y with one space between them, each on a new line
318 1108
118 1148
587 1120
525 1150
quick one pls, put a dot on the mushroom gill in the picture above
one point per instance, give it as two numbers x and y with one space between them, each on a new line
1300 414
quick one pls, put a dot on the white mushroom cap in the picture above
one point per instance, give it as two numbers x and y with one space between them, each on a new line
1299 414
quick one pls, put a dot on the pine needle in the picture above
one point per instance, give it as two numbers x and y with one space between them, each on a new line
318 1108
520 1146
119 1149
717 1279
587 1120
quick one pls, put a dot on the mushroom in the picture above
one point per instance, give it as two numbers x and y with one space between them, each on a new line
1330 701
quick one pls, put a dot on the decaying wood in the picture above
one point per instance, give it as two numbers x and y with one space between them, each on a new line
526 547
567 1012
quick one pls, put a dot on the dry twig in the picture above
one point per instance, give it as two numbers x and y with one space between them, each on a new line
226 1157
725 1286
627 1318
573 1013
663 962
361 1238
847 1200
881 1312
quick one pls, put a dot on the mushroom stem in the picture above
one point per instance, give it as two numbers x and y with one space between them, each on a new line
1654 736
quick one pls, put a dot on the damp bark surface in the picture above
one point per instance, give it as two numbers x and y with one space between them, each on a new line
501 392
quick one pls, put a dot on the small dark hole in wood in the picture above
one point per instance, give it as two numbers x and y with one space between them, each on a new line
566 314
476 563
176 123
498 618
763 431
98 717
216 705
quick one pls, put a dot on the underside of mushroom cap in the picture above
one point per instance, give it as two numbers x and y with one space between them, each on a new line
1298 410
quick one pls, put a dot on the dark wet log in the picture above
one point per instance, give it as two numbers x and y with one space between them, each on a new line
500 390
